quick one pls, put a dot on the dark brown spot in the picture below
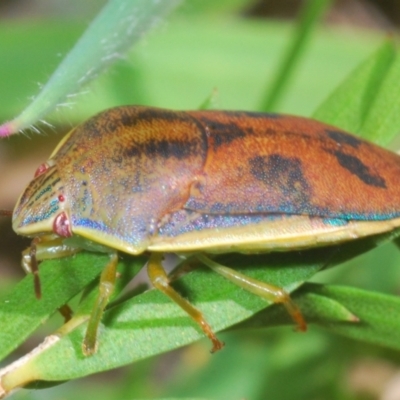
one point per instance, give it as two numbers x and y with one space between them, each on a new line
284 175
254 114
133 116
359 169
163 149
343 138
149 114
223 133
128 118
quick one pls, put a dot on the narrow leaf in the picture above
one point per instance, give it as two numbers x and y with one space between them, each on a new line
119 25
377 315
350 104
21 313
150 324
311 14
382 123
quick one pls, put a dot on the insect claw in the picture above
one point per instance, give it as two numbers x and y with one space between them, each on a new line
89 347
66 312
295 313
217 345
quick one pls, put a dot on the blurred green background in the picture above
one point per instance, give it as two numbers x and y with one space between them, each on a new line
231 50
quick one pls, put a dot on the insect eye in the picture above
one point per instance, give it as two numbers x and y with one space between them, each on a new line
61 225
41 169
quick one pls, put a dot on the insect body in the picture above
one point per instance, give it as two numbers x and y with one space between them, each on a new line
136 179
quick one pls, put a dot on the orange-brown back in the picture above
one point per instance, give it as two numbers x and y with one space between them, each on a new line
283 164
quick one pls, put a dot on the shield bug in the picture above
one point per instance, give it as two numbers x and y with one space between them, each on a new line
137 179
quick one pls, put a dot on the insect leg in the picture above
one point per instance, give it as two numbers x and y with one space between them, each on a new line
44 248
262 289
30 264
66 312
106 288
159 279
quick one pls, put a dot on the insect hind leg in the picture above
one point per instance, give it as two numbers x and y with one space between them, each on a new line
267 291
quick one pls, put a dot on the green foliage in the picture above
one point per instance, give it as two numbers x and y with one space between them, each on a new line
138 326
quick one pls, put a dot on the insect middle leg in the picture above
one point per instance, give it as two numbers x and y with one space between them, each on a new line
106 288
159 279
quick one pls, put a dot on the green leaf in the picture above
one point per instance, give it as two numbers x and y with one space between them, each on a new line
151 75
21 313
119 25
359 314
310 16
150 323
353 101
382 122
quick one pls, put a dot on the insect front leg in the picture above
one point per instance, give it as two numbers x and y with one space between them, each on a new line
44 247
159 279
262 289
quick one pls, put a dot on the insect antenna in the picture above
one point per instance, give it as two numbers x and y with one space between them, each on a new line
6 213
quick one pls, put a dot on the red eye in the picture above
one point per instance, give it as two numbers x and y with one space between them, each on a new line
61 225
42 169
61 198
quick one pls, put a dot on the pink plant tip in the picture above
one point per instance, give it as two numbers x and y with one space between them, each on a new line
6 129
